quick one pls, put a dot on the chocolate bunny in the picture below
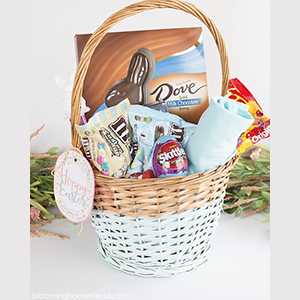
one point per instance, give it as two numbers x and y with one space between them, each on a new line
134 86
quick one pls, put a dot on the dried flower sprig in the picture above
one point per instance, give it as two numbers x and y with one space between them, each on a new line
248 190
42 198
41 184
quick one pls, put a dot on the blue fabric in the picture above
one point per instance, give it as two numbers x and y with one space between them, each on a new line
215 139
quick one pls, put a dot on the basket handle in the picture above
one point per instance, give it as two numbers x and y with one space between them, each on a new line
128 11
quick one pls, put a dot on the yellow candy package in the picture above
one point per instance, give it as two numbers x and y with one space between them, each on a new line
260 129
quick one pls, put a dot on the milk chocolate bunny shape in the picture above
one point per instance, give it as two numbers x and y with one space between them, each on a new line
134 86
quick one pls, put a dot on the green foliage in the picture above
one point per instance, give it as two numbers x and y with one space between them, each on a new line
41 183
249 186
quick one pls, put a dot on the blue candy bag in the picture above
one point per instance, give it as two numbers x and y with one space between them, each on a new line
148 125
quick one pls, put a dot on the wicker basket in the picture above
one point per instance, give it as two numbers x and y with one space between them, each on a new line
154 227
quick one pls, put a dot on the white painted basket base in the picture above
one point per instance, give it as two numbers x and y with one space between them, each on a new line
157 247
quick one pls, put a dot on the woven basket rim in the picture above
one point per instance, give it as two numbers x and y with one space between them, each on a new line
178 179
154 198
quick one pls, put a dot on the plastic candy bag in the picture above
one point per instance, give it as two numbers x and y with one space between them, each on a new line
148 125
109 138
260 128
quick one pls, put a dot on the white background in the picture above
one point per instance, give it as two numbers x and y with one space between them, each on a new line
244 25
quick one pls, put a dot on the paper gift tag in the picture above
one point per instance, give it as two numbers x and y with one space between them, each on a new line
74 186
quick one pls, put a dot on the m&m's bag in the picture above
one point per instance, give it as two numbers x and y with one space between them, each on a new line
107 134
260 129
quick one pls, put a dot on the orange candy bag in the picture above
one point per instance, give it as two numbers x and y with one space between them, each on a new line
260 128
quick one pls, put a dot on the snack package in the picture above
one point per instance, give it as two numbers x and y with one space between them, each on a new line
148 125
179 84
109 139
260 128
169 158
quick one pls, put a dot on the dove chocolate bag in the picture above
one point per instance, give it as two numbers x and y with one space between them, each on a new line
162 69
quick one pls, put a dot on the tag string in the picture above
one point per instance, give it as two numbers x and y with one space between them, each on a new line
80 229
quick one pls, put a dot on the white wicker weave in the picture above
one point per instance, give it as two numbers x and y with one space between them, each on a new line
157 247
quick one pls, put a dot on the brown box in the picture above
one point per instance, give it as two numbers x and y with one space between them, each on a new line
110 61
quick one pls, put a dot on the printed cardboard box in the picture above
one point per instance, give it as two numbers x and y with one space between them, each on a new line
179 80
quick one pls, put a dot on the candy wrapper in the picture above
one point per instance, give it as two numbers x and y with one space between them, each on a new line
84 140
169 158
148 125
260 129
108 133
